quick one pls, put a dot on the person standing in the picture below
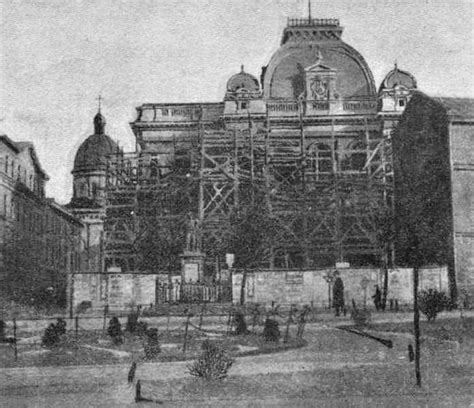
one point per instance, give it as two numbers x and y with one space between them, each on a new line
377 298
338 294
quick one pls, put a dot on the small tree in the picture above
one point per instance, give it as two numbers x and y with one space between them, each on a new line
152 346
53 333
240 324
383 221
2 330
115 330
431 302
132 321
252 236
271 330
213 364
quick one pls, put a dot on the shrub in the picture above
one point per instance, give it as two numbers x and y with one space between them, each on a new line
2 330
361 317
142 328
271 330
115 330
132 321
83 306
240 325
431 302
213 364
152 346
52 335
61 326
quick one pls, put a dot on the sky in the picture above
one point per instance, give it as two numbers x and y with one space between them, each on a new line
57 56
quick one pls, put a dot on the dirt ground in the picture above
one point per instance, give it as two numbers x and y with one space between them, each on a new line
335 369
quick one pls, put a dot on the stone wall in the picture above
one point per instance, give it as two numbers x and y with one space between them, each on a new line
462 177
306 286
119 291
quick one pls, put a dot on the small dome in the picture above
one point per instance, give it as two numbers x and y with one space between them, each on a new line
93 152
398 78
242 80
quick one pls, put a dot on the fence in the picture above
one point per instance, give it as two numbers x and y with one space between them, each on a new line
192 292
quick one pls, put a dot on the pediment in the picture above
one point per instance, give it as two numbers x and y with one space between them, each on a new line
319 68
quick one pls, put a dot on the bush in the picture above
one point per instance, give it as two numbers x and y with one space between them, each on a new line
431 302
53 333
361 317
213 364
83 306
2 330
271 330
115 330
132 322
61 326
152 346
240 325
142 328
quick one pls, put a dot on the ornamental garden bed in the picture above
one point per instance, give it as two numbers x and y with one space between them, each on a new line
95 347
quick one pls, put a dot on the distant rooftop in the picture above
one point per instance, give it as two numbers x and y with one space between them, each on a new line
458 107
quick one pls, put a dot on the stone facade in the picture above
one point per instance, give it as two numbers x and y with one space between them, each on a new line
434 175
307 135
119 291
311 287
313 137
39 239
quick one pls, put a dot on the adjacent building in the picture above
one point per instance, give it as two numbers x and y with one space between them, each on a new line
434 178
39 240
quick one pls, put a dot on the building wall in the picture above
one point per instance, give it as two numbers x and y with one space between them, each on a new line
118 291
422 186
462 177
310 286
39 242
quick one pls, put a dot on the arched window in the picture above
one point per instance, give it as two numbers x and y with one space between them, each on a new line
355 156
320 160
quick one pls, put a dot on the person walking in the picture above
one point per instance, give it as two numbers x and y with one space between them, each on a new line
377 298
338 294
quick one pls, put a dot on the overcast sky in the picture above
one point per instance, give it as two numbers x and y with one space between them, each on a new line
57 56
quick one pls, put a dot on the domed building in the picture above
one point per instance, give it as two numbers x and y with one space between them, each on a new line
395 91
307 135
90 165
310 141
88 200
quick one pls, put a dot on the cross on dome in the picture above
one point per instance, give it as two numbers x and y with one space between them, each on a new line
99 98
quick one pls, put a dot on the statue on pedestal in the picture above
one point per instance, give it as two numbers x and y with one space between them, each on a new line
192 234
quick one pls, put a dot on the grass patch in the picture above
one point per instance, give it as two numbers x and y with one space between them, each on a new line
94 347
449 329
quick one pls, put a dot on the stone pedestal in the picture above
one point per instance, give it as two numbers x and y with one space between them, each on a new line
192 266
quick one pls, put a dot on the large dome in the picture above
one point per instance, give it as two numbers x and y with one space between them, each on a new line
93 152
304 43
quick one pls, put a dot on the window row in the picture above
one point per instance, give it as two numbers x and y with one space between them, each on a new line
22 175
